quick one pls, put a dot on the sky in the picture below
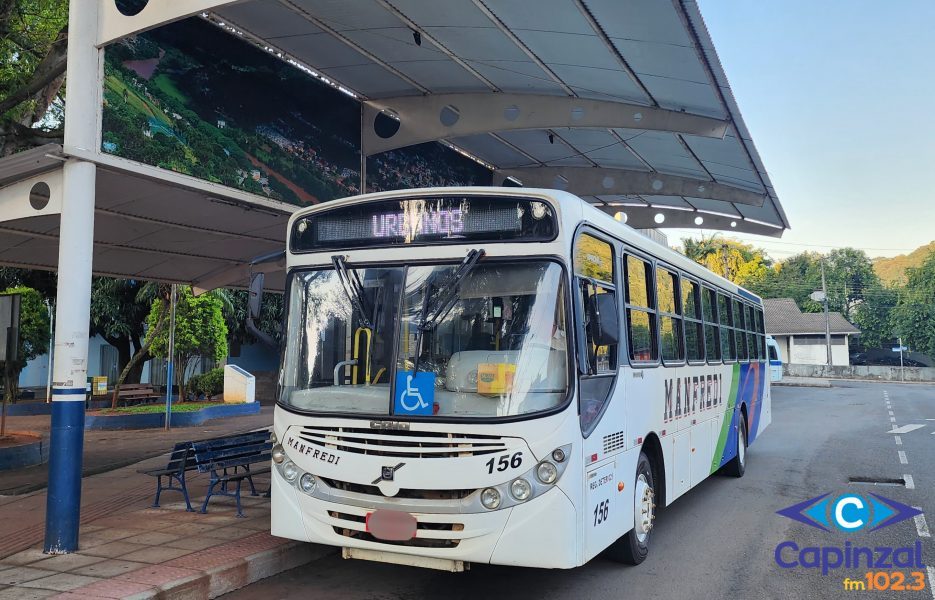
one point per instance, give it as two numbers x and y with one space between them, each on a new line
839 96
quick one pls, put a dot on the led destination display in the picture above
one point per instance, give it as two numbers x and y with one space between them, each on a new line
453 220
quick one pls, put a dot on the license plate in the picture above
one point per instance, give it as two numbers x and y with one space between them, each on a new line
391 525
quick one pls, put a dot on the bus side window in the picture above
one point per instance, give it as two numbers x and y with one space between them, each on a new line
740 337
694 330
712 336
761 330
752 345
670 317
594 267
728 349
641 313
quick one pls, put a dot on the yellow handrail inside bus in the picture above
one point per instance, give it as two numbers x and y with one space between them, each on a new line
376 378
357 354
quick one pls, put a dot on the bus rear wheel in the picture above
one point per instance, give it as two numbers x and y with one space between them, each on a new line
633 547
738 465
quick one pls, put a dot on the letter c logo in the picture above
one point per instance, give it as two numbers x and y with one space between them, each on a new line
855 518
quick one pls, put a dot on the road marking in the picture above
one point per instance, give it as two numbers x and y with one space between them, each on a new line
921 526
902 457
931 572
893 420
899 440
910 484
891 413
905 428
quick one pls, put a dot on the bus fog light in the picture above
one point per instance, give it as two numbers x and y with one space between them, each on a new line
558 455
279 454
547 472
307 483
290 471
490 498
520 489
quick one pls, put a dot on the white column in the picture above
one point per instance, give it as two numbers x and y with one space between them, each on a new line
73 305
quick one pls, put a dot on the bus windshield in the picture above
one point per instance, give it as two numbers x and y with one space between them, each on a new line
498 348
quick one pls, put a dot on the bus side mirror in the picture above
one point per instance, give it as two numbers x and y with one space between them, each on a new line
603 327
255 297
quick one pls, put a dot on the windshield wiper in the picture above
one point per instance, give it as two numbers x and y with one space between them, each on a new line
431 313
350 281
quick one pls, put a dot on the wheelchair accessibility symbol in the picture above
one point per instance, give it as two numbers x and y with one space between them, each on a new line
415 393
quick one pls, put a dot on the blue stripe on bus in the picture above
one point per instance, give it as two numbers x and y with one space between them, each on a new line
748 295
775 363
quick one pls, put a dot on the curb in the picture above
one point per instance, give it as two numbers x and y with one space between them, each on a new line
818 383
181 419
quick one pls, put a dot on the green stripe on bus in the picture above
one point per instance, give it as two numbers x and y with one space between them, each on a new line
728 419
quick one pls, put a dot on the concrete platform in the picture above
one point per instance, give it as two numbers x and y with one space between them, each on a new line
803 382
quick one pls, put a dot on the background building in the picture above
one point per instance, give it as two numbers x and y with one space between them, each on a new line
801 336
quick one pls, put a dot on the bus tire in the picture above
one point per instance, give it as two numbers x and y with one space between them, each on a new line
633 547
738 465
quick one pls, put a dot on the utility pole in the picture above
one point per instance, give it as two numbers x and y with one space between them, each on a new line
170 374
824 291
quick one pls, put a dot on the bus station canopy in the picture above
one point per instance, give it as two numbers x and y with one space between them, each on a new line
622 103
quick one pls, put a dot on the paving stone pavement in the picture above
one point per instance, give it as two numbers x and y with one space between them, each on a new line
128 549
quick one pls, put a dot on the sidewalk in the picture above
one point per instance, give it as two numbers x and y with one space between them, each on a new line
130 550
107 450
803 382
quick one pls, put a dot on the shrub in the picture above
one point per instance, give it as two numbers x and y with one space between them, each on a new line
209 384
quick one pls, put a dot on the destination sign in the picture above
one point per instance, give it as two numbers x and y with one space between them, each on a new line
439 220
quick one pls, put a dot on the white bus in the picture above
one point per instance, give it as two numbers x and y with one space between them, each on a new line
502 375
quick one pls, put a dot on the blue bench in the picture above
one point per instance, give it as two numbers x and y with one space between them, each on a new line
180 461
231 460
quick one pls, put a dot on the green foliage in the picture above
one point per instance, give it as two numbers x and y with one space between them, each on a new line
270 321
32 56
914 315
34 335
873 316
199 329
209 384
730 259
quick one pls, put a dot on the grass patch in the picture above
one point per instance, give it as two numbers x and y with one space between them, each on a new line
143 409
164 84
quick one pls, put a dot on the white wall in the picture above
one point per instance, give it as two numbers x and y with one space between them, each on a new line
816 354
36 372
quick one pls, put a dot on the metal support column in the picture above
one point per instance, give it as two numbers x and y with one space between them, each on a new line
73 304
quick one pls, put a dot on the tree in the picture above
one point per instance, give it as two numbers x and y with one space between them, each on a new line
270 321
873 316
33 45
118 312
199 331
849 274
914 315
730 259
34 335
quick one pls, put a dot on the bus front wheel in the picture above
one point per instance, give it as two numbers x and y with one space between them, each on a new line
633 547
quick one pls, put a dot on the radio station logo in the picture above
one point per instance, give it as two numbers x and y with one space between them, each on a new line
855 514
849 512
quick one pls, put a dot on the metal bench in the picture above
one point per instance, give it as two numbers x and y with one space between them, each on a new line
229 461
181 460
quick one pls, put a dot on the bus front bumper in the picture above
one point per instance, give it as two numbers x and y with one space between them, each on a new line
539 533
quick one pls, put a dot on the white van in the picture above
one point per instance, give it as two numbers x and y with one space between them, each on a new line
775 359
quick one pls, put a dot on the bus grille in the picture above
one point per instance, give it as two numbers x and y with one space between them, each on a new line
353 525
372 490
402 444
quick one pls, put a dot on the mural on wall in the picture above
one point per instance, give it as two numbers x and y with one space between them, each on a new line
192 98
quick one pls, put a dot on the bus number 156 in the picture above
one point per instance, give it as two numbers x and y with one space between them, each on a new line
505 462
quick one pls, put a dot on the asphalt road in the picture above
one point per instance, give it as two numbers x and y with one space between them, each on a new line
717 541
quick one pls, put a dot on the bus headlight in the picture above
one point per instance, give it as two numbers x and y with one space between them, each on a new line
490 498
279 454
290 471
520 489
546 472
558 455
307 483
